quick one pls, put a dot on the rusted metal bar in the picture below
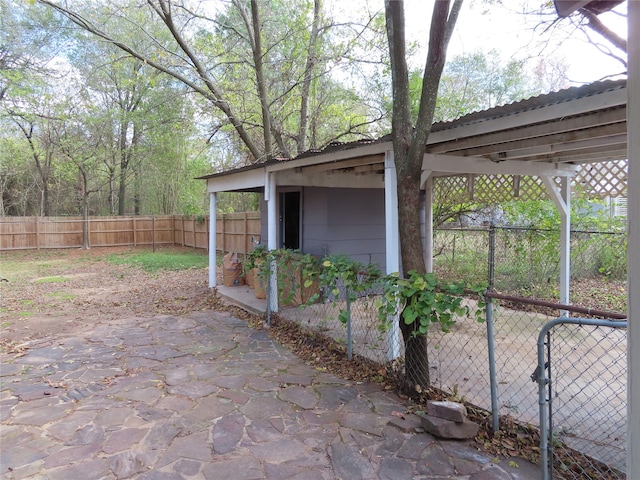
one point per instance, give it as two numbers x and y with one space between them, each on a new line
558 306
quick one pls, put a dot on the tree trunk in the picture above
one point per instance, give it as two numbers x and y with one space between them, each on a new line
254 26
124 165
85 209
122 190
409 145
309 73
112 193
137 191
416 357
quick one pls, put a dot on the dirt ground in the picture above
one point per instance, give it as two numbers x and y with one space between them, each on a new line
53 292
44 294
56 292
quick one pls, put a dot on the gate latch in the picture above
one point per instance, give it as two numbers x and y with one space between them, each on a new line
536 373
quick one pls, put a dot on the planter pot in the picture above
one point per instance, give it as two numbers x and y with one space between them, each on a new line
290 292
250 277
260 286
310 291
293 292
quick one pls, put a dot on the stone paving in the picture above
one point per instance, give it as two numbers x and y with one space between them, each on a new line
204 396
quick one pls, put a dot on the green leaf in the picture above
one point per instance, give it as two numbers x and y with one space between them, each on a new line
409 315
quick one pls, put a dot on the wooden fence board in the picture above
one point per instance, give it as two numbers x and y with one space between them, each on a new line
26 233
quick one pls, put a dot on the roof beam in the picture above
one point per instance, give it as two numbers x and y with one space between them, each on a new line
580 147
455 165
322 179
339 165
604 153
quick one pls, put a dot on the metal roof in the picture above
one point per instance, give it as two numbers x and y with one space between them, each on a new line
577 125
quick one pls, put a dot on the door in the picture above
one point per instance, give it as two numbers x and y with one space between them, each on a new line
290 220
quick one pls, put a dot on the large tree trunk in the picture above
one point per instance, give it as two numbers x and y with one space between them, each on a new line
409 145
124 165
416 358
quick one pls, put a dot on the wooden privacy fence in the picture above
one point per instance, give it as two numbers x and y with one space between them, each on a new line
235 231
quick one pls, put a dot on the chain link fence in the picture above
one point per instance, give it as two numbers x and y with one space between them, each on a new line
527 261
582 375
490 364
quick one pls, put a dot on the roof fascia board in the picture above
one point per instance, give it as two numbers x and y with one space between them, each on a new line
236 181
336 156
442 165
559 128
547 113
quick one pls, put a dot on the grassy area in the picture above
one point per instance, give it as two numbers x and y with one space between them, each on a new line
50 280
153 261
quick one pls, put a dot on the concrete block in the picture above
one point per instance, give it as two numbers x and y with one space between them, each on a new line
442 428
454 411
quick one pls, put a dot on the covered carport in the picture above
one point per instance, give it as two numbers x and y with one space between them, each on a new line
546 137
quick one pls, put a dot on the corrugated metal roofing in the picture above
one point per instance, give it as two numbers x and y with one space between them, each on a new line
526 105
533 103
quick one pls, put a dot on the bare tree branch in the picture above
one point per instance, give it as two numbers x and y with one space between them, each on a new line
595 24
211 92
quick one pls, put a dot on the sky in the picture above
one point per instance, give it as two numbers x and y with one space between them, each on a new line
505 28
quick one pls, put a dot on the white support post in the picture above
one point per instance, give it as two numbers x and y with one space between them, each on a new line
633 246
392 247
428 223
270 195
565 241
562 199
212 239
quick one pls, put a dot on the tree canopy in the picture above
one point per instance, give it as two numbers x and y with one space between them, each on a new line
176 89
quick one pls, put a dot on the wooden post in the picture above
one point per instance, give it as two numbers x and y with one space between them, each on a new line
194 233
37 234
224 234
245 236
212 240
153 233
135 239
183 230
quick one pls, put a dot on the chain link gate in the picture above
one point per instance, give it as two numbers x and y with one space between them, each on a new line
582 403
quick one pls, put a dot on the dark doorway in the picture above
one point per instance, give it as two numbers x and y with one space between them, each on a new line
290 220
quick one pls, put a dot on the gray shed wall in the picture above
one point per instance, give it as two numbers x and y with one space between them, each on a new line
342 220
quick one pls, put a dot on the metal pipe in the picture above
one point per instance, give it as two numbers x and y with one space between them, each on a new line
493 381
492 368
349 340
558 306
